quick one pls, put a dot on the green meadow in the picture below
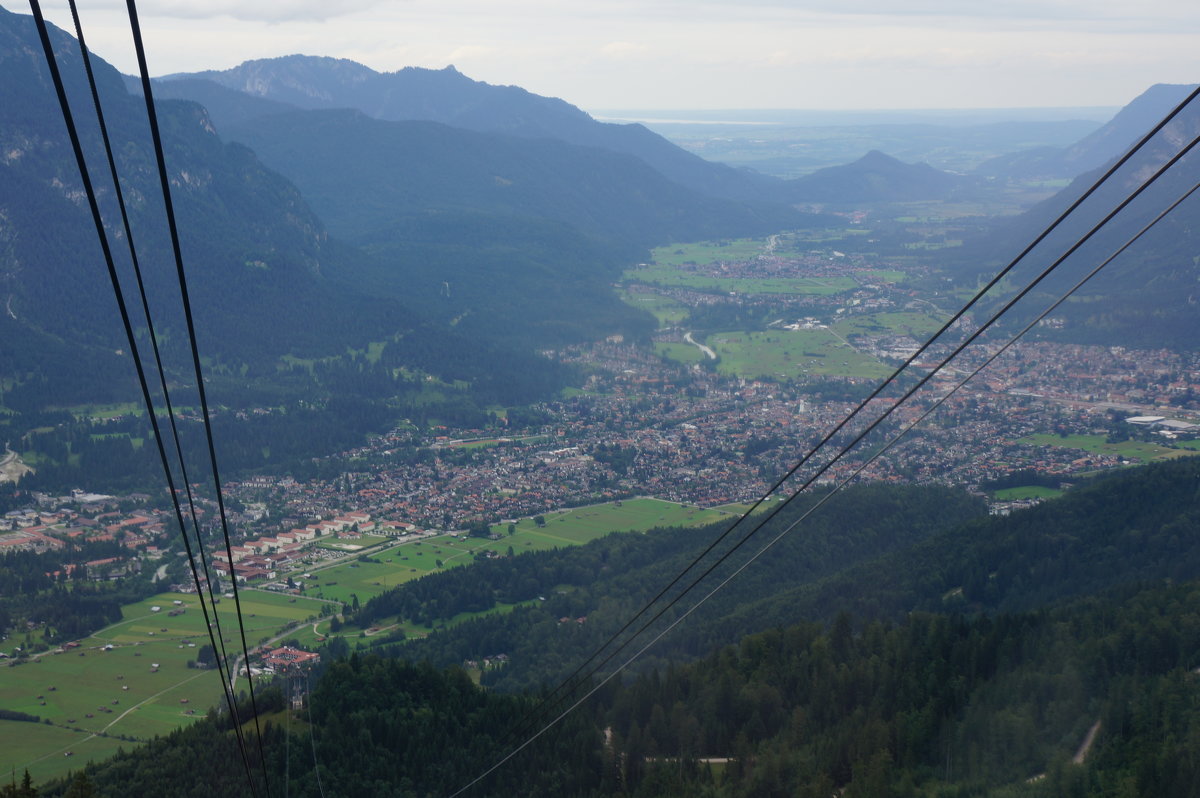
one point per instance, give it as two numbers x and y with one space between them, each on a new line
1026 492
1097 444
413 559
791 353
131 681
670 276
679 352
91 697
916 324
668 312
705 252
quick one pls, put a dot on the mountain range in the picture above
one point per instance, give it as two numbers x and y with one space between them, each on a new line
267 279
1047 653
449 97
459 226
1147 296
1097 148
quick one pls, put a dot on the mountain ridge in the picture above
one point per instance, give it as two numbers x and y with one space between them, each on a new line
449 97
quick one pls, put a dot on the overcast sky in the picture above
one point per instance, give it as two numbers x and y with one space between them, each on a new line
693 54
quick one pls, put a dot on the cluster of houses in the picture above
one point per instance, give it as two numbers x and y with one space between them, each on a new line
262 557
43 530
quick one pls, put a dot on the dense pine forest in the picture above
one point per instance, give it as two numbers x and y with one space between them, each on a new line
939 705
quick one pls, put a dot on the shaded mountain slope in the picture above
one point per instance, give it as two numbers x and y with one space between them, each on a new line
362 174
1147 297
449 97
1095 149
266 281
875 177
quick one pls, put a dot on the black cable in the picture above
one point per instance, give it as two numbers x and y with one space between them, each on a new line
287 734
887 413
137 270
312 722
876 455
575 676
873 395
148 93
97 219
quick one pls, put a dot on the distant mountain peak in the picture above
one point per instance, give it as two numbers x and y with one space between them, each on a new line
877 158
448 96
875 177
1098 147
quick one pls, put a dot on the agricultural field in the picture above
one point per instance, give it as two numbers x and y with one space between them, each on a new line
1097 444
50 751
670 276
679 352
583 524
129 681
1026 492
387 568
669 312
413 559
702 253
353 544
788 354
916 324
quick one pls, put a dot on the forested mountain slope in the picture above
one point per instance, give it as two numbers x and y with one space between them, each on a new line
447 96
1095 149
265 278
451 98
1040 695
1148 296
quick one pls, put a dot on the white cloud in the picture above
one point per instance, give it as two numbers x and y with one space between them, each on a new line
622 50
273 11
701 53
472 52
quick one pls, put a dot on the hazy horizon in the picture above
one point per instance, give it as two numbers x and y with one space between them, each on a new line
716 54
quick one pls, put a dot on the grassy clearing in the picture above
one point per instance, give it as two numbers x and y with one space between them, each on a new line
670 276
791 353
353 544
1026 492
413 559
43 749
886 275
397 565
918 325
741 508
105 412
583 524
120 687
1097 444
668 312
679 352
706 252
